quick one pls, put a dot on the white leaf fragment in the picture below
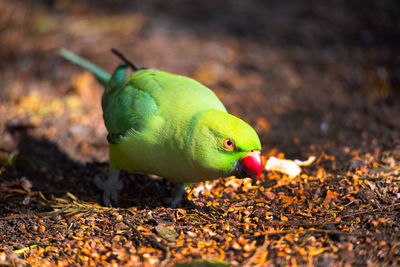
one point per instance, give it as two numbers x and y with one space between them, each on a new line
285 166
289 167
307 162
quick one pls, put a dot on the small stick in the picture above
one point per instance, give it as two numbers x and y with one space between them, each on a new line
152 241
124 59
304 231
257 253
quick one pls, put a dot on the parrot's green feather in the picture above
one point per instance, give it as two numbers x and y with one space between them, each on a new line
119 76
169 125
126 108
117 81
102 76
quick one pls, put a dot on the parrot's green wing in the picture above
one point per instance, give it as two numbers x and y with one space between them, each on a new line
125 107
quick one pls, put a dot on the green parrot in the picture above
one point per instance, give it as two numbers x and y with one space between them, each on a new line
171 126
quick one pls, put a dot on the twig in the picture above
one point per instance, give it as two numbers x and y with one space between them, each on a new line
15 216
379 210
22 250
124 59
308 223
300 223
152 241
262 248
337 179
336 232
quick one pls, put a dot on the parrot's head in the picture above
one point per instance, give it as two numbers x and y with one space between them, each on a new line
224 145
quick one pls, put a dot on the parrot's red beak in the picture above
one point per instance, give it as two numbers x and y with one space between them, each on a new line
250 165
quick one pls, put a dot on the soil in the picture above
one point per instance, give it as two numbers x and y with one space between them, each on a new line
314 78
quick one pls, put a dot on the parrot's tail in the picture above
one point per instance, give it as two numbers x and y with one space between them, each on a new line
102 76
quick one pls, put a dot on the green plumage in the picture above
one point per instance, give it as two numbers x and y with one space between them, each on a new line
168 125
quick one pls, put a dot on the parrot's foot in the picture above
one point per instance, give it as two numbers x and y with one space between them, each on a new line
110 188
178 194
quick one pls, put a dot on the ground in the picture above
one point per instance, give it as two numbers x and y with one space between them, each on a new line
314 78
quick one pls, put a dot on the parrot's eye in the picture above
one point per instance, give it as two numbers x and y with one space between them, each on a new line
229 144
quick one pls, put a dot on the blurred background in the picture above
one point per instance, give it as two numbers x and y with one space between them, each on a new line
310 76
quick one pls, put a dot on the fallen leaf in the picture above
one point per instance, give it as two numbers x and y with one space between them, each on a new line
168 234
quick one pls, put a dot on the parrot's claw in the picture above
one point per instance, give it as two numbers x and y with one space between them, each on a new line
110 188
178 195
